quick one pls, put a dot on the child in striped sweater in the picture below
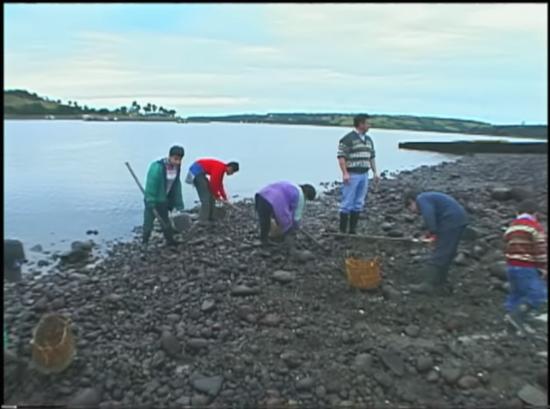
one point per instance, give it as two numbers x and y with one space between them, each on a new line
527 266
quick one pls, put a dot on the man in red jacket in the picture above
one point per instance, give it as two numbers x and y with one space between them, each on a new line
210 188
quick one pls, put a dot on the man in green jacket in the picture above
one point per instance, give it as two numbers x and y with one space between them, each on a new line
163 193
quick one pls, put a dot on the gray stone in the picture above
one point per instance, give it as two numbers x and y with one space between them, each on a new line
37 249
390 293
450 374
197 343
86 397
393 361
362 362
243 290
200 401
468 382
208 305
432 376
533 396
211 385
424 364
283 276
171 345
501 193
184 401
498 270
412 330
271 320
461 259
383 379
305 384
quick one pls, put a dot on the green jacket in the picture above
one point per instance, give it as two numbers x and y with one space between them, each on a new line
155 187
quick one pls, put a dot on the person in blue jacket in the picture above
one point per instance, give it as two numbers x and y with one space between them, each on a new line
445 220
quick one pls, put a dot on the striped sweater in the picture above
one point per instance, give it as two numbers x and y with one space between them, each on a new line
526 243
357 151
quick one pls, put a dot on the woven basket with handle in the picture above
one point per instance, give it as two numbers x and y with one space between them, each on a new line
53 344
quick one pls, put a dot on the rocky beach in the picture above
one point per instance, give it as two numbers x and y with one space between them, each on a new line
221 322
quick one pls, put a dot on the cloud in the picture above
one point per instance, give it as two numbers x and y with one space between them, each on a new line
389 57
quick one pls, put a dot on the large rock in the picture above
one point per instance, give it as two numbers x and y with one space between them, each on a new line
171 345
501 193
243 290
363 363
451 374
283 276
393 361
182 222
533 396
498 270
89 397
211 385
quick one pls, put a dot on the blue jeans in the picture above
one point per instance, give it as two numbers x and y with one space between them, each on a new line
526 287
446 247
354 193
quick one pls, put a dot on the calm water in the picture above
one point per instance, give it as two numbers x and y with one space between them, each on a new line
62 178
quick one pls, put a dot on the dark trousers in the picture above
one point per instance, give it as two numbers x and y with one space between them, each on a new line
207 200
149 219
446 247
265 212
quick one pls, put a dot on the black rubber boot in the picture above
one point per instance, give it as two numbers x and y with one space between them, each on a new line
353 220
344 217
430 283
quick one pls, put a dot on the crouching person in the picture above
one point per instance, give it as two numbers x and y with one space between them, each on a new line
285 202
163 193
445 220
527 266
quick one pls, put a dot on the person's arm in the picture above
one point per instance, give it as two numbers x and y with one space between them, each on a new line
343 152
427 210
216 186
178 196
299 210
373 164
152 182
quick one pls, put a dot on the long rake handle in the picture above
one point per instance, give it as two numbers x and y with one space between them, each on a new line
156 213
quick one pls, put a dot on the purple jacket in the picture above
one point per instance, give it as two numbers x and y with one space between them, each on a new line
283 197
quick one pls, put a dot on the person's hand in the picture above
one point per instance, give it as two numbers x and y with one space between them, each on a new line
346 178
544 273
376 180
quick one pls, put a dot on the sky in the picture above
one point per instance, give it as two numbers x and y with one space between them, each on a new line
483 62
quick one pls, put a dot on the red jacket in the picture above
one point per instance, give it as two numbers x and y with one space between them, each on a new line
216 170
526 243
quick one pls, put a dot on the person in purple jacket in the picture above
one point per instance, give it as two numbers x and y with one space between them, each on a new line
285 202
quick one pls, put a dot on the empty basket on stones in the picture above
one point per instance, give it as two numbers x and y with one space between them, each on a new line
53 344
363 273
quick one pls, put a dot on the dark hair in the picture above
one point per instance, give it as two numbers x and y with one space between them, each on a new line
410 196
528 206
176 151
359 119
309 191
234 166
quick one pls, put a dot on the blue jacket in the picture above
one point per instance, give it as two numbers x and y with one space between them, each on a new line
440 212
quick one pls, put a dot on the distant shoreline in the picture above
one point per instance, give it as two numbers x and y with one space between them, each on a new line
180 121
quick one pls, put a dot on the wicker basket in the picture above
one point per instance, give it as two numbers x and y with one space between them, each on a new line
364 274
53 345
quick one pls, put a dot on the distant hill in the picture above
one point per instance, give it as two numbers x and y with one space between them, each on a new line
22 104
404 122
